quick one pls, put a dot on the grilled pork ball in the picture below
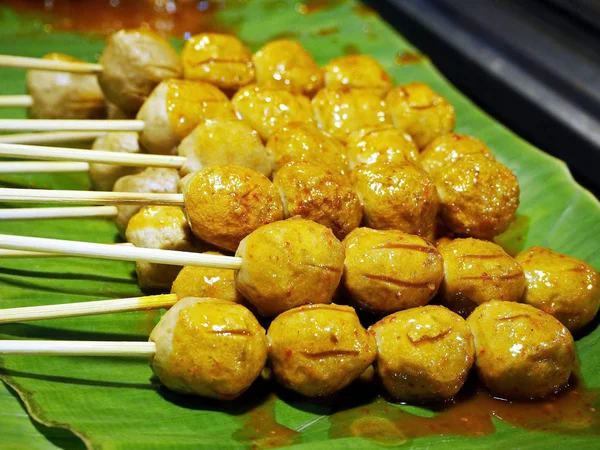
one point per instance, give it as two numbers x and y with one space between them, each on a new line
133 63
317 350
64 95
225 142
423 354
318 194
565 287
285 64
175 108
387 271
397 197
149 180
339 112
520 351
356 71
219 59
224 204
448 149
104 176
380 144
303 142
421 112
479 196
476 272
289 263
269 109
208 347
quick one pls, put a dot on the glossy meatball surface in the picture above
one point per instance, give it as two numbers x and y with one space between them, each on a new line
289 263
423 354
317 350
208 347
380 144
449 148
356 71
104 176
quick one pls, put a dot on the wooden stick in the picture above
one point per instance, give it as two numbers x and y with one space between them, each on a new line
16 101
90 156
43 167
24 254
107 251
50 137
70 125
77 348
96 198
57 213
31 313
23 62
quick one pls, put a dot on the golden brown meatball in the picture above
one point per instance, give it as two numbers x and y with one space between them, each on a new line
560 285
285 64
64 95
149 180
380 144
302 142
113 112
356 71
289 263
208 347
224 204
133 63
175 108
225 142
423 354
479 196
219 59
421 112
161 227
476 272
196 281
387 271
317 194
104 176
317 350
268 109
397 197
339 112
449 148
520 351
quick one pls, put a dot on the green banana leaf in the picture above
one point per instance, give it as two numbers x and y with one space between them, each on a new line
112 402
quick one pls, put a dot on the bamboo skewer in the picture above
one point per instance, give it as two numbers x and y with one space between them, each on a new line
16 101
50 137
24 62
70 125
43 167
30 313
77 348
25 254
96 198
57 213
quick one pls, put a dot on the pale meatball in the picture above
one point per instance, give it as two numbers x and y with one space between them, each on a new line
397 197
64 95
113 112
380 144
449 148
479 197
133 63
339 112
224 204
104 176
317 350
289 263
219 59
423 354
285 64
161 227
197 281
565 287
269 109
356 71
421 112
149 180
175 108
302 142
221 142
476 272
520 351
208 347
317 194
388 271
